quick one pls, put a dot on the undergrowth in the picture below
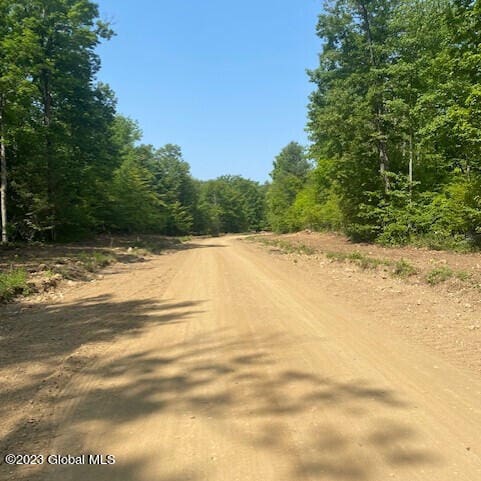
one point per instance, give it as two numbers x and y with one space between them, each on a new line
438 275
12 284
95 260
363 261
404 269
285 246
156 246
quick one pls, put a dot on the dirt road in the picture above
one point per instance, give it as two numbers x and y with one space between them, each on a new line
218 363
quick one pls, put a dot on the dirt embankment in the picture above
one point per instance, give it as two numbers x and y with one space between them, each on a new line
431 297
37 271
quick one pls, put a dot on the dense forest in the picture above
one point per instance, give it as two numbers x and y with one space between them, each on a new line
395 126
394 123
71 165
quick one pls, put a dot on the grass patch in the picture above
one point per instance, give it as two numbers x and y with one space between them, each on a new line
12 284
156 246
284 246
297 248
95 260
361 260
404 269
453 244
337 256
463 275
438 275
365 262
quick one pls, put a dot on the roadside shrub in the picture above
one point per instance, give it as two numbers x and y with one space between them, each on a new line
404 269
358 232
445 220
438 275
95 260
337 256
13 283
363 261
463 275
308 213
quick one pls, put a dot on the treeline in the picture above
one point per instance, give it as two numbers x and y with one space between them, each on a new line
70 165
152 190
395 125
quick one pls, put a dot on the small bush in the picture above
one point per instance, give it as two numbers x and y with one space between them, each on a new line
363 261
404 269
13 283
436 242
366 262
337 256
361 233
284 245
463 275
308 211
95 260
304 249
355 256
438 275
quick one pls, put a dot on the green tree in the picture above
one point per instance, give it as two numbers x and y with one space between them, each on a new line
135 207
174 184
230 203
73 117
15 92
290 170
396 113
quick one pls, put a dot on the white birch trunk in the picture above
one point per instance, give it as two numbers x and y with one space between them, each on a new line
3 176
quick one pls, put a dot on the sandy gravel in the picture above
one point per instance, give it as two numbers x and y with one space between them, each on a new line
225 362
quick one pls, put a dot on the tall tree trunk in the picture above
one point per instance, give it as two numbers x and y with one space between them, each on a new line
3 172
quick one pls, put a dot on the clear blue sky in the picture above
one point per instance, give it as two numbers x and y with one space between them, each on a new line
223 79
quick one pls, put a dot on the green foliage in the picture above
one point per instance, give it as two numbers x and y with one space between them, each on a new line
361 260
288 177
135 206
57 118
13 283
463 275
95 260
438 275
174 185
76 167
394 123
310 212
337 256
396 110
230 204
285 246
403 268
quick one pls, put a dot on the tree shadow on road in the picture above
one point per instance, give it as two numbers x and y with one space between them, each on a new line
289 412
43 347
